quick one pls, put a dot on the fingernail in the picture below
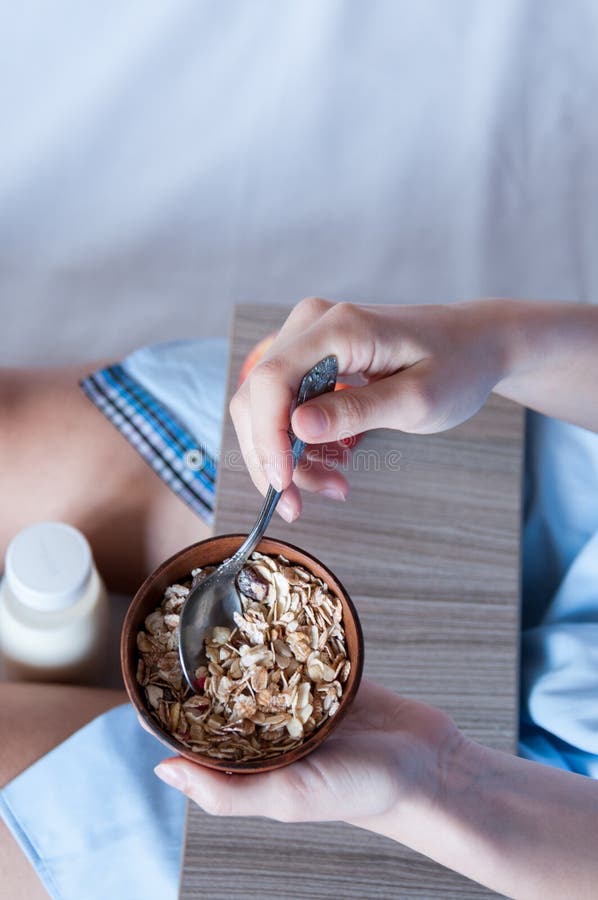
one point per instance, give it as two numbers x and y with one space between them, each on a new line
171 775
273 476
286 510
314 421
333 493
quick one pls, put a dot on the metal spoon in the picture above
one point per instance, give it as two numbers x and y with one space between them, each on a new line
214 599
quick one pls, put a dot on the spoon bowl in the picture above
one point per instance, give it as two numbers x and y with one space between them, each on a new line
215 600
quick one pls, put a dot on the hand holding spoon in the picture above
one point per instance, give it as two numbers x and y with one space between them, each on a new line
215 599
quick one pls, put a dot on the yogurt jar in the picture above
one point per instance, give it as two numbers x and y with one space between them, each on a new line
54 613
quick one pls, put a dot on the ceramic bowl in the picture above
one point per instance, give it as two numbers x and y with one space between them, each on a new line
178 568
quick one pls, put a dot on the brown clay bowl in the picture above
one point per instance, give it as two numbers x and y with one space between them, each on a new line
178 567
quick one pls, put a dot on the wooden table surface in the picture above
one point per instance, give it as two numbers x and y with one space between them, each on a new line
427 545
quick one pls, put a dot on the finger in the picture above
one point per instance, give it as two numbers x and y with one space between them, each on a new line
273 456
220 794
332 454
317 476
289 506
313 474
240 411
343 331
305 313
404 401
328 456
292 794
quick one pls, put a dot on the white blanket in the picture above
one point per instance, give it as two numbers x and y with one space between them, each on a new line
160 161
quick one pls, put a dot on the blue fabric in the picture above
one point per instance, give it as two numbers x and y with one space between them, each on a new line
188 377
94 820
167 400
559 676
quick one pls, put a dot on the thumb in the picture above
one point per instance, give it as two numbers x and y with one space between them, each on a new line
292 794
405 401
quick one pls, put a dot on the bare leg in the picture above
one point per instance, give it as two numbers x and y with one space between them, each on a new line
61 459
57 711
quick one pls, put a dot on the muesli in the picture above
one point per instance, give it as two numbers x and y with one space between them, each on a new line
270 681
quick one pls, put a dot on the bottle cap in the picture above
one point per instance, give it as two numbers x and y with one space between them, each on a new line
48 566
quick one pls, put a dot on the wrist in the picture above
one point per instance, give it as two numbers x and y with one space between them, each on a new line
495 325
435 816
424 775
528 333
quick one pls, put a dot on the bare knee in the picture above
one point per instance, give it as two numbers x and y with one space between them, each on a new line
17 876
35 718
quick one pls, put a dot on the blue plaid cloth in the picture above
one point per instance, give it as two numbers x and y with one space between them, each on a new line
167 401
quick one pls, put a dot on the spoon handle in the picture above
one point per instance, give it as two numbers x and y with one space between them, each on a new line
319 380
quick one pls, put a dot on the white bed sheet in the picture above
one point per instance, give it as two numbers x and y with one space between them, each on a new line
160 161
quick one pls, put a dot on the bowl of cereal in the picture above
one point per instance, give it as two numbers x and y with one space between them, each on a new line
275 684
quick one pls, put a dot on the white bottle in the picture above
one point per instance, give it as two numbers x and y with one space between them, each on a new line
54 613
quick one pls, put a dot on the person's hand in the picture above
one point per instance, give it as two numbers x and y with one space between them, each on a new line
425 368
386 756
402 769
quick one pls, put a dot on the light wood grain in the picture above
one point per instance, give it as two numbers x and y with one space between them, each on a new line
428 547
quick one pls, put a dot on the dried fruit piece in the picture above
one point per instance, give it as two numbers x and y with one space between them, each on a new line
252 584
